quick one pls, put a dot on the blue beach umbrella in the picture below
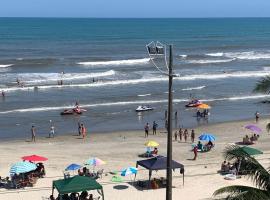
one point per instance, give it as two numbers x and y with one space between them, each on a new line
73 167
22 167
207 137
129 171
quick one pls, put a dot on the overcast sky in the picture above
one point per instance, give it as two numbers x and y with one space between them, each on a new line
135 8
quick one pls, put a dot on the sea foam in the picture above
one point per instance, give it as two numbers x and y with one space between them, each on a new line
116 62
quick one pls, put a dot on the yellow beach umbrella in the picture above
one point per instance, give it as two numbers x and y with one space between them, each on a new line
204 106
151 143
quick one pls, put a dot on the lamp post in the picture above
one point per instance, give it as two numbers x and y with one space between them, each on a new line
155 50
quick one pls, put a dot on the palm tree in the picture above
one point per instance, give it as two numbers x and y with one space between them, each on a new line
263 85
253 170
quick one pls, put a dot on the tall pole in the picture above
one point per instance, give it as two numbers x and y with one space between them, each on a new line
169 139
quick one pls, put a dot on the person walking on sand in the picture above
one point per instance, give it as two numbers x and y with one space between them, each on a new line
195 151
33 133
180 134
155 125
146 129
192 135
185 135
257 116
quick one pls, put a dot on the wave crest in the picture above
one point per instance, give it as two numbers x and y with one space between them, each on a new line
116 62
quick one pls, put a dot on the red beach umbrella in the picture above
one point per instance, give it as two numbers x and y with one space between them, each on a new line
34 158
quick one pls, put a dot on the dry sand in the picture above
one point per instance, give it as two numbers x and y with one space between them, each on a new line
120 150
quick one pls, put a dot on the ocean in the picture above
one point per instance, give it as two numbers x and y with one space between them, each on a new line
219 62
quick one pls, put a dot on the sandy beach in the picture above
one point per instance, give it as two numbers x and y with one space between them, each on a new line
120 150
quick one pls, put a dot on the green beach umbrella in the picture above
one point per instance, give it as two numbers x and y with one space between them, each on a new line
251 151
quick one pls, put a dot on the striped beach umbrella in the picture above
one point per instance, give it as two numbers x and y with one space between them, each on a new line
207 137
22 167
95 162
129 171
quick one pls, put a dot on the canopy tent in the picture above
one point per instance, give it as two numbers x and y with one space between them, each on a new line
159 163
77 184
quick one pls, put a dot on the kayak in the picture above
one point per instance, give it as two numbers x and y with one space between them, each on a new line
143 108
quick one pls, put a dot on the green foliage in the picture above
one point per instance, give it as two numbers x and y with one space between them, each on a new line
254 171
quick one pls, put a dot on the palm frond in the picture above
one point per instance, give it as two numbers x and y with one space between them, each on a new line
239 192
263 85
254 170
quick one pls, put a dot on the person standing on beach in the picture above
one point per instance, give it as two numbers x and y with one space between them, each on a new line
166 114
180 134
155 125
257 116
192 135
146 129
185 135
175 135
83 131
195 151
175 115
79 129
51 131
33 133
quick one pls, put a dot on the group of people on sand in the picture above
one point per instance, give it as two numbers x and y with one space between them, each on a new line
82 130
228 168
250 140
74 196
184 134
147 128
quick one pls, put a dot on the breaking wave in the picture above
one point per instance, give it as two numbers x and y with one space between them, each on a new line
116 62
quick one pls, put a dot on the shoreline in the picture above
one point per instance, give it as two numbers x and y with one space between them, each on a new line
107 133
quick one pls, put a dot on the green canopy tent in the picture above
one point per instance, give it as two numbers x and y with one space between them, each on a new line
77 184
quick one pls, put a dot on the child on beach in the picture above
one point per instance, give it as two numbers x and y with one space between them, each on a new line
195 151
257 116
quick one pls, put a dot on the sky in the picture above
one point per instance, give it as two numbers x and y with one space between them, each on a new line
134 8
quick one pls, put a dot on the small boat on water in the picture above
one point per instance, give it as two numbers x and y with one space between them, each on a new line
143 108
74 111
193 103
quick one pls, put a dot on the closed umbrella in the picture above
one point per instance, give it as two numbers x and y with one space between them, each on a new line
22 167
207 137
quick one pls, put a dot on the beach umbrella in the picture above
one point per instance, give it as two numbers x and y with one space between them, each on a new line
151 143
73 167
34 158
22 167
204 106
129 171
253 128
251 151
207 137
95 162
